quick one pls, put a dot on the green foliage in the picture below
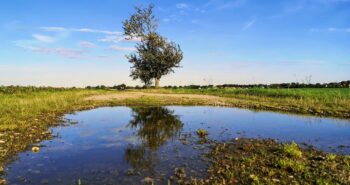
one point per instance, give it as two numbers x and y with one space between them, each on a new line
155 56
291 164
317 101
254 161
292 150
331 157
141 24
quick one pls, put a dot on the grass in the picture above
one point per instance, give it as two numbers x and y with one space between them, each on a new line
27 115
252 161
27 112
23 110
333 102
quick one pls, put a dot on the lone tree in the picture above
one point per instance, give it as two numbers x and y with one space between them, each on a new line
155 56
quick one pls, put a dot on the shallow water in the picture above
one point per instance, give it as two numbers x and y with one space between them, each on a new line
122 145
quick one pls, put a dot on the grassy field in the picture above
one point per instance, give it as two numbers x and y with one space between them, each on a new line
26 116
27 113
333 102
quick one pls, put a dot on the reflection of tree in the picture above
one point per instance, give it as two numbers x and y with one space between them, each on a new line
138 157
154 127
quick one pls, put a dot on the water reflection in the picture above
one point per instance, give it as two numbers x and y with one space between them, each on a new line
154 126
152 141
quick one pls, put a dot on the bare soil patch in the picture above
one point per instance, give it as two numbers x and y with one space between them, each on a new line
136 95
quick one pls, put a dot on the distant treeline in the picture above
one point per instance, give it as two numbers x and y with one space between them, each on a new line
342 84
29 89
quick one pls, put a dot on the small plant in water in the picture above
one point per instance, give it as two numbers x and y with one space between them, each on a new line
202 133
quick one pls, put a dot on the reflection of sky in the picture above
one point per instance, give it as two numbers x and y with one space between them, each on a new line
101 138
322 132
108 127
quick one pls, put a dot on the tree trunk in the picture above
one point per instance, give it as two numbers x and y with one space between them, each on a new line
157 80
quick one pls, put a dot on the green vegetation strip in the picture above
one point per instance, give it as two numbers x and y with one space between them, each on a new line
252 161
331 102
28 112
26 116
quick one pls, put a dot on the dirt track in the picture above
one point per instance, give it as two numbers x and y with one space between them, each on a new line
135 95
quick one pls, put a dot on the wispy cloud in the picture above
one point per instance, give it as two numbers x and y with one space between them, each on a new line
330 29
166 20
53 29
86 44
117 39
195 21
119 48
223 4
182 6
249 24
64 52
43 38
86 30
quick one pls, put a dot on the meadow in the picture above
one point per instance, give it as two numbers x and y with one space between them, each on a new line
333 102
21 107
28 112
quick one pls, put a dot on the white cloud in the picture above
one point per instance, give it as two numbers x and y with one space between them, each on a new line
53 29
182 6
69 53
194 21
222 4
330 29
248 24
64 52
111 38
86 30
117 39
166 20
43 38
119 48
86 44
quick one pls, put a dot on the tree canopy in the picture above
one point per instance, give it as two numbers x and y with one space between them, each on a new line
155 56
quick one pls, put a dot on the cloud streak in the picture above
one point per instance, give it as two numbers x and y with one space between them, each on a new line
222 4
331 29
43 38
117 39
64 52
119 48
249 24
86 44
182 6
83 30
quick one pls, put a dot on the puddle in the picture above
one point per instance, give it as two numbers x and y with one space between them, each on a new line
122 145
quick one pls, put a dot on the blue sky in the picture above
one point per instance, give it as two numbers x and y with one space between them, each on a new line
79 43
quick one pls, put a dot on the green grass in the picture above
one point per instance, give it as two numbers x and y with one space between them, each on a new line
22 109
318 101
28 112
253 161
26 115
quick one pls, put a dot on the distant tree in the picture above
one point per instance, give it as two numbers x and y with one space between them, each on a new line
155 56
